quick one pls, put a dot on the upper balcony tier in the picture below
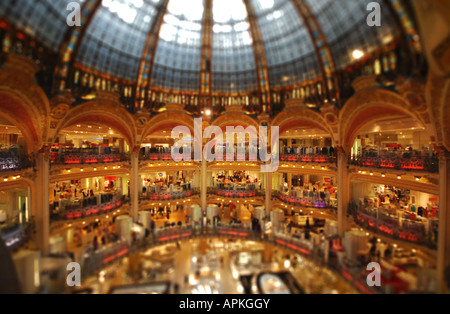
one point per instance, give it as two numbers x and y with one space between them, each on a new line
408 160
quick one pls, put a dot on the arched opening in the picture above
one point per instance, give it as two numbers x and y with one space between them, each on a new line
393 163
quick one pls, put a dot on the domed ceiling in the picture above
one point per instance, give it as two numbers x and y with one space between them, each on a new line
220 38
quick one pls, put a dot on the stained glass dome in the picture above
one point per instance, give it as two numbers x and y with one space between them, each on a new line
229 46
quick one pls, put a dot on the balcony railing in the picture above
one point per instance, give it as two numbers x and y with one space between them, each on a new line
312 202
87 207
169 196
411 161
309 158
418 231
236 193
86 158
12 162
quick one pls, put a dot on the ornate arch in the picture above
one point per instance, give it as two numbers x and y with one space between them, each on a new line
168 120
235 119
102 112
438 99
17 112
368 106
23 102
295 115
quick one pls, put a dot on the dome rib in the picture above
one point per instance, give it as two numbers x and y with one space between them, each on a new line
206 54
148 54
67 52
321 48
260 56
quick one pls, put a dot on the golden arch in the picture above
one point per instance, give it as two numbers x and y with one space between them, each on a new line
235 119
104 113
367 107
168 120
289 119
17 111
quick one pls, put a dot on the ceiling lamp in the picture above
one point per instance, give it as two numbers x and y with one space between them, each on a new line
357 54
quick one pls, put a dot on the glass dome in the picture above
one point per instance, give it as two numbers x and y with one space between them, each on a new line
114 40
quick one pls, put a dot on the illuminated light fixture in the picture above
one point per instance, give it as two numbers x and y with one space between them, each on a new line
14 178
5 179
323 168
208 112
313 167
70 225
118 167
84 222
106 168
359 171
107 217
418 179
18 177
357 54
363 172
399 177
81 169
95 169
383 175
371 173
303 167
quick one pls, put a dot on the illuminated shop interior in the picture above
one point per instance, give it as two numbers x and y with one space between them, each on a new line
89 121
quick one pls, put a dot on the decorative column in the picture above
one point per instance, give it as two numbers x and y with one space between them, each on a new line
134 184
203 184
268 203
343 190
40 200
443 253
